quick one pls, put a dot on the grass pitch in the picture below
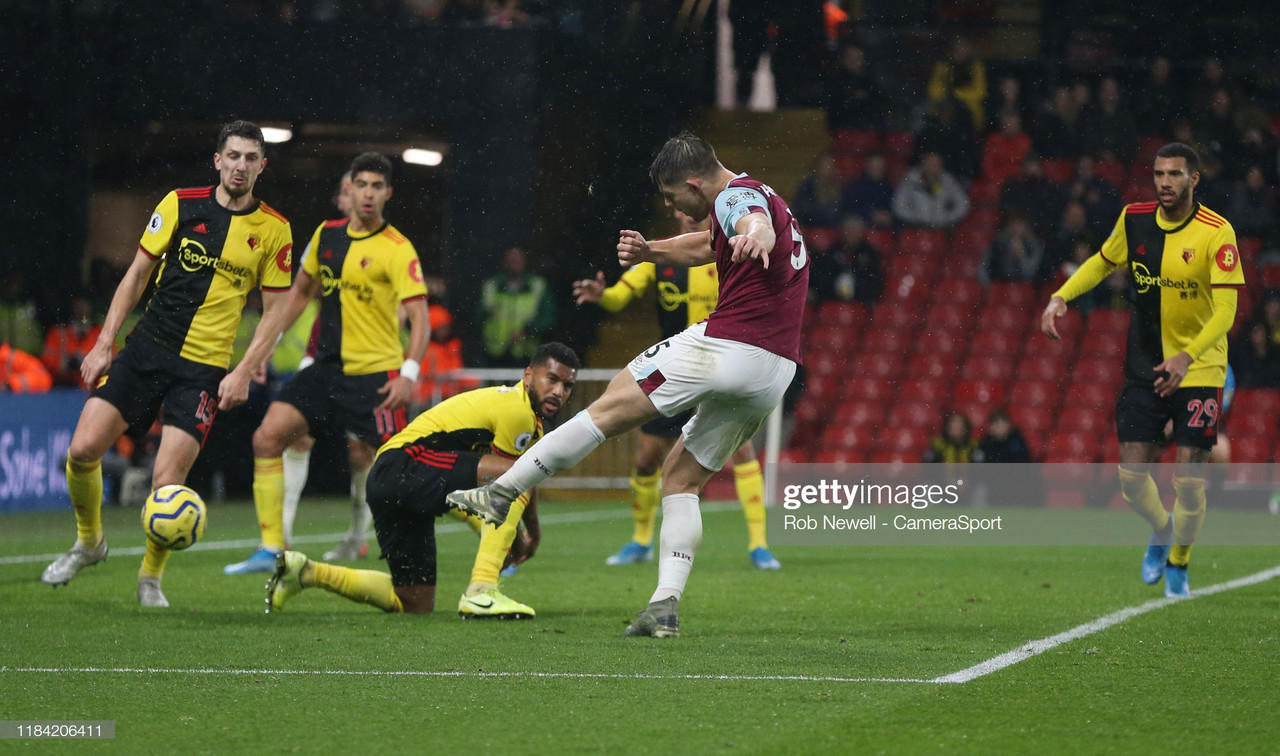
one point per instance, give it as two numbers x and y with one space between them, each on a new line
833 654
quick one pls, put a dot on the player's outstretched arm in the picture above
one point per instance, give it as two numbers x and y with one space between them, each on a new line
1056 308
589 289
123 301
399 390
687 250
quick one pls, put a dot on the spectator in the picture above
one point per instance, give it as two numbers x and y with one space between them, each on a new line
1006 101
444 355
66 345
1003 442
1158 102
1217 129
1014 254
1005 149
870 194
851 270
955 444
1101 200
1112 133
950 134
1072 227
516 310
961 77
1212 78
1250 206
1255 359
1269 313
1214 189
818 198
1057 132
22 373
18 324
853 100
1258 148
1033 193
930 197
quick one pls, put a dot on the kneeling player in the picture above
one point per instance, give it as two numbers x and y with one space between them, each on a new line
468 439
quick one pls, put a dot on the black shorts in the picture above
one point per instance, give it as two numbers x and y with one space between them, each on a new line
146 378
406 490
1141 415
330 400
667 427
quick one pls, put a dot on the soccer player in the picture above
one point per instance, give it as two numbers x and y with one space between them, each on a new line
1184 274
734 366
467 439
685 297
361 381
216 244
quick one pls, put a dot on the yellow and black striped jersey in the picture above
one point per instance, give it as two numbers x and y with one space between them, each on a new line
685 295
364 278
212 259
497 419
1173 269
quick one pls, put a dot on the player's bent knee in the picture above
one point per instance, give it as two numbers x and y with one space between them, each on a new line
416 599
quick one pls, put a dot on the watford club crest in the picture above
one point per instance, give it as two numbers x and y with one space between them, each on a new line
1188 255
253 241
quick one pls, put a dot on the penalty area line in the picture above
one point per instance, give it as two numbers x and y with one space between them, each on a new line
448 674
1037 647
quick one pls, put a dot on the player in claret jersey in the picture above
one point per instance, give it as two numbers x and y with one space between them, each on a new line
213 245
1185 271
733 367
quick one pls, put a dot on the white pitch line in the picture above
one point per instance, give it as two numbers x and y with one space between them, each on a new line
1037 647
477 674
610 513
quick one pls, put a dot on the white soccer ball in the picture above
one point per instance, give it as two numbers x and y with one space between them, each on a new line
174 517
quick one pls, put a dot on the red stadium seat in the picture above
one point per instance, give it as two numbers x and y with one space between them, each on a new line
1059 170
1091 397
810 416
981 220
987 392
854 140
1104 371
827 363
882 239
1071 447
952 315
1044 348
888 340
1035 394
1249 248
905 264
828 388
969 244
925 390
1250 450
896 457
1270 279
1038 419
844 438
850 164
906 291
866 387
793 456
938 341
965 291
976 411
1102 343
1259 401
987 367
1148 146
1006 345
932 365
865 413
922 241
839 457
1111 171
821 238
878 365
901 439
827 336
897 315
1252 425
1110 449
844 314
899 143
1035 367
1017 294
1114 321
1083 420
985 191
923 417
1001 316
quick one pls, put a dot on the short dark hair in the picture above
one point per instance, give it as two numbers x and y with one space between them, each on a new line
1180 150
683 155
554 350
242 129
373 162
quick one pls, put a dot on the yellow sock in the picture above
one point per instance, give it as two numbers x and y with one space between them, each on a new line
153 561
364 586
268 500
749 484
475 522
84 483
1144 498
644 508
1188 516
495 544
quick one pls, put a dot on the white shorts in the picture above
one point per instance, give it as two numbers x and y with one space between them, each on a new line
734 386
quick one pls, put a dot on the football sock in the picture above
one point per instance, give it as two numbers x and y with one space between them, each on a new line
84 484
296 465
681 534
495 544
360 514
475 522
365 586
1188 516
749 484
644 507
559 450
1144 498
268 500
153 561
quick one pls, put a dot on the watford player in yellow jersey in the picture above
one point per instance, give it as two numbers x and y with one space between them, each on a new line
467 439
211 245
1185 271
360 381
685 296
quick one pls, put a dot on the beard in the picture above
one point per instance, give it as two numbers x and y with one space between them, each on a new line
237 191
1178 198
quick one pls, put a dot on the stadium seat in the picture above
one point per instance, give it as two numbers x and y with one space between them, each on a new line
897 315
976 411
839 457
793 456
981 366
1035 367
941 341
1035 394
827 363
870 387
969 244
1041 347
927 365
985 391
1249 248
899 143
829 336
888 340
878 365
1098 342
821 238
850 164
1092 397
1139 192
864 413
951 316
1017 294
1104 371
1059 170
1006 345
922 241
1251 424
905 264
965 291
1250 450
1258 401
844 314
1270 278
906 291
1111 171
926 390
903 439
905 457
1148 146
882 239
924 417
854 140
998 315
1114 321
1083 420
828 388
1071 447
896 168
984 220
1001 159
984 192
846 438
1036 418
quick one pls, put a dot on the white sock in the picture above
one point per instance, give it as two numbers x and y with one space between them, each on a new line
679 541
559 450
360 514
296 465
